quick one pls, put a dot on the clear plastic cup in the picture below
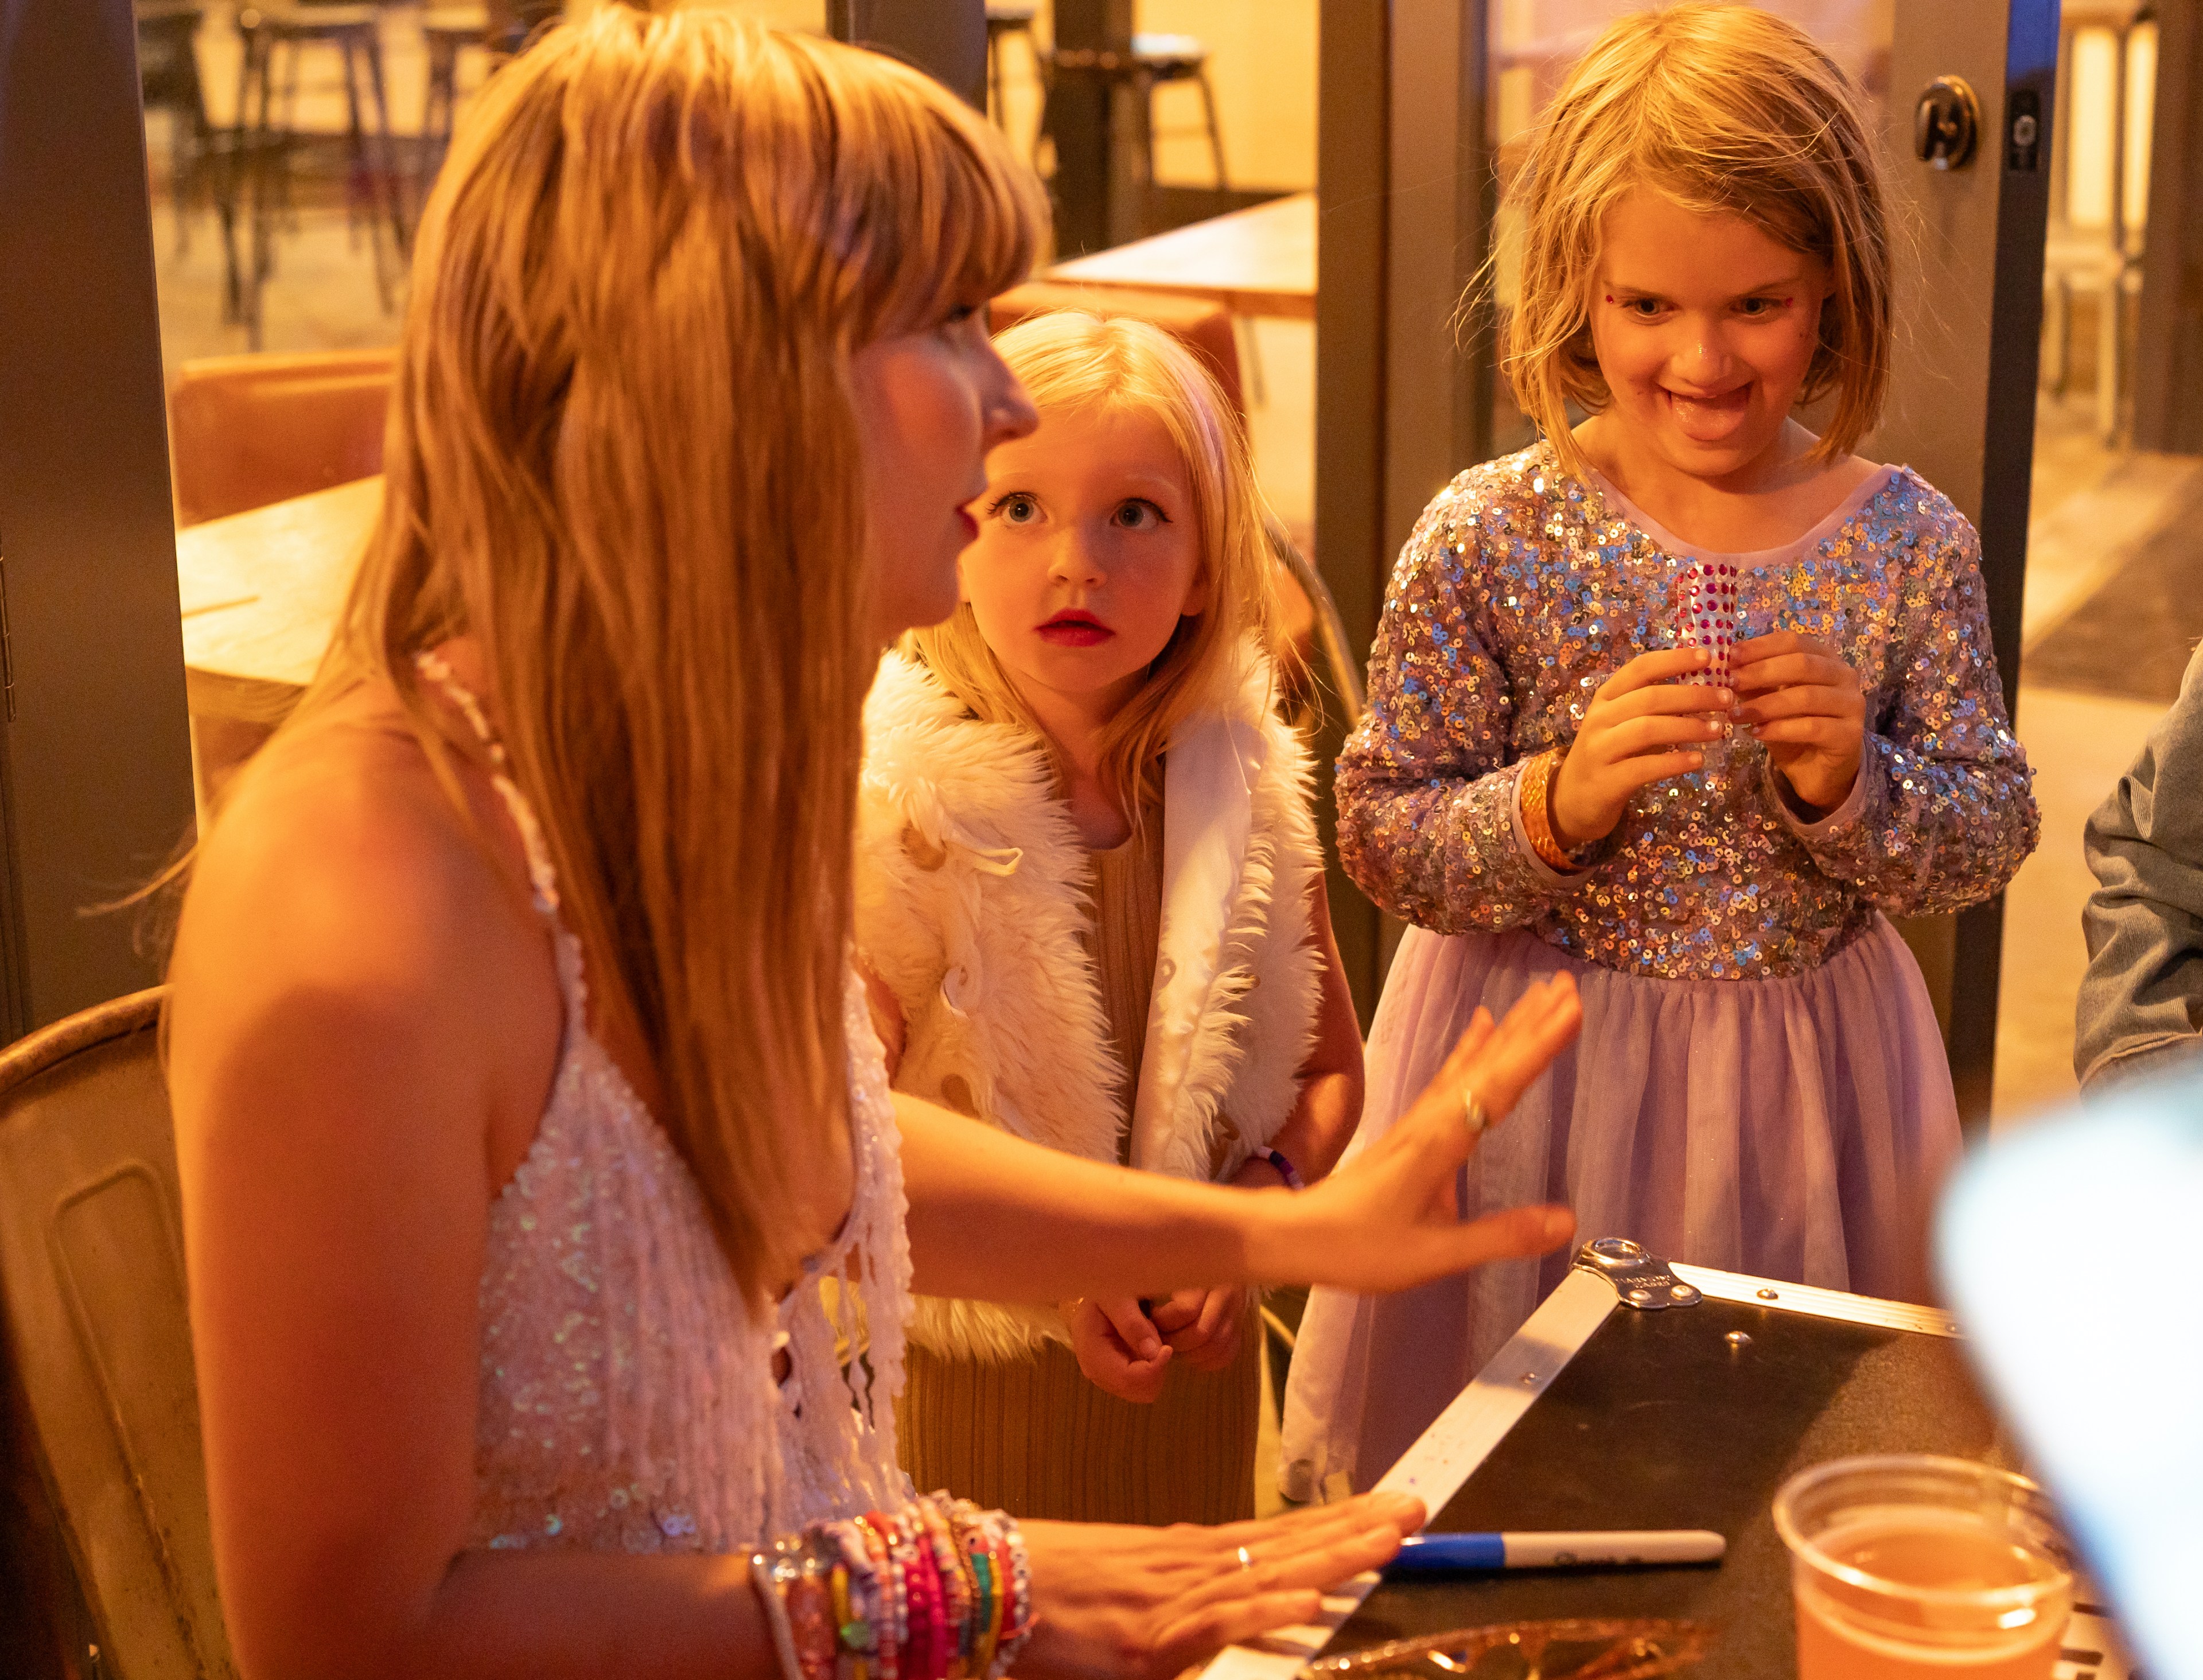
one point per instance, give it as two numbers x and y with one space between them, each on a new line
1910 1566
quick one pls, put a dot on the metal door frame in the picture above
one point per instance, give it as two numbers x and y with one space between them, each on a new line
96 785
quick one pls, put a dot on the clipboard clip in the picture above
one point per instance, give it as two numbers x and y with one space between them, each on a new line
1642 1280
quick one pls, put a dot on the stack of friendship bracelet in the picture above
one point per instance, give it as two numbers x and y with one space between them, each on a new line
939 1591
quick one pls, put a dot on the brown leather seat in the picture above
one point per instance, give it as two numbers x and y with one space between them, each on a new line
1204 327
92 1272
245 431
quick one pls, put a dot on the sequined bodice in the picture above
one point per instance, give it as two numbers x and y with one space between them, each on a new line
1522 589
627 1398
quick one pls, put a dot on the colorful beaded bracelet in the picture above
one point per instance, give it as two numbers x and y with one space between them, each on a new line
940 1590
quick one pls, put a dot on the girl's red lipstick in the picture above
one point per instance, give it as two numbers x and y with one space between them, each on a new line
1076 628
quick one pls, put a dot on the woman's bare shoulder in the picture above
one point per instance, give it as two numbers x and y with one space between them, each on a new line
342 884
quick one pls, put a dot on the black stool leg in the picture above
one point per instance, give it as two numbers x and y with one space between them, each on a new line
359 176
267 157
1215 134
229 178
392 200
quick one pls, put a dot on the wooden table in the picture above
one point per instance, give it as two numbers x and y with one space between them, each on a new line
261 591
1254 262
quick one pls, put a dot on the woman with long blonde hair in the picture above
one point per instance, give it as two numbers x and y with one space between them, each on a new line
525 1110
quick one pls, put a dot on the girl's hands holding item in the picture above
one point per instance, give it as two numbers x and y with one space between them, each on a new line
1146 1604
1119 1350
1647 723
1391 1218
1203 1326
1805 705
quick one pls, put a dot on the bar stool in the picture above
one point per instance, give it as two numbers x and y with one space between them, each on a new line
168 80
1152 61
447 31
1004 20
265 144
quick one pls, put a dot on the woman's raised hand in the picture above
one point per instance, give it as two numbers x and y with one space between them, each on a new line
1389 1219
1119 1603
1646 726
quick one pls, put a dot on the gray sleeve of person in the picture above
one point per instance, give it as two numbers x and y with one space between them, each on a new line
2141 1002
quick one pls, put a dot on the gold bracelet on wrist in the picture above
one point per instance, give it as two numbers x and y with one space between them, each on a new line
1536 796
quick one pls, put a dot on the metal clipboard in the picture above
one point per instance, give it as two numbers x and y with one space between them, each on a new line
1643 1394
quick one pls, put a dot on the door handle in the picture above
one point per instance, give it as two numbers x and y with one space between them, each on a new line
1947 124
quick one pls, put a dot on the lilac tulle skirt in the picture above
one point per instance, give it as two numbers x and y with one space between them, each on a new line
1795 1128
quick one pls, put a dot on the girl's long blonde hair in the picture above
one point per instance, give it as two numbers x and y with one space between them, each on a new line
1725 109
1068 360
623 456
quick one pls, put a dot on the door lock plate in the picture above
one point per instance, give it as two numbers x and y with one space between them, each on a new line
1947 124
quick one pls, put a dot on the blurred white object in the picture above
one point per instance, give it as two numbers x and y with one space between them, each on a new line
2069 1251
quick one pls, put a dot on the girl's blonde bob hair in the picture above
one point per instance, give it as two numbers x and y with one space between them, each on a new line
1726 110
1069 360
622 457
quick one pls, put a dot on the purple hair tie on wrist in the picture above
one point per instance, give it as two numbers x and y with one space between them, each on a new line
1276 1157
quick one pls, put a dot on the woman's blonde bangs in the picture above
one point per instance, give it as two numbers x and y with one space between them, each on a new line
950 216
1725 109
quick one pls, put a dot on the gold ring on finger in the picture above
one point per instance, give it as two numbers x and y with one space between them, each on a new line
1473 1115
1246 1559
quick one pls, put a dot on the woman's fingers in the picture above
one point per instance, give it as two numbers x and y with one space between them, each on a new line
1535 1031
1203 1631
1474 1038
1514 1234
1317 1556
1312 1526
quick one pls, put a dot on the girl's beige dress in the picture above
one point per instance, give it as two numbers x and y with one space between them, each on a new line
1032 1435
1151 1004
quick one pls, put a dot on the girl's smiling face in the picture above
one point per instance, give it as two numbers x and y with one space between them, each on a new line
1088 554
1704 326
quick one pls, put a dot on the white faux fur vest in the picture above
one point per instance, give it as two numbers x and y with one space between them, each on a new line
972 902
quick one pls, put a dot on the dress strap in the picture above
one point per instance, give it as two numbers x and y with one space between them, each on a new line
542 879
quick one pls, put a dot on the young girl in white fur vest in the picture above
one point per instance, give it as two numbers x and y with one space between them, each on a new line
1091 900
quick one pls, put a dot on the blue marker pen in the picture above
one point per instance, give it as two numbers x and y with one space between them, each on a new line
1433 1554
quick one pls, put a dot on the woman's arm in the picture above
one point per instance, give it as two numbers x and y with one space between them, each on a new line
996 1218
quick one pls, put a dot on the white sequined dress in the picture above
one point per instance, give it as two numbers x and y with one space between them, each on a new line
627 1400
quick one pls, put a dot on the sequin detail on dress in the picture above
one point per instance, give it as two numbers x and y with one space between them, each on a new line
627 1400
1521 591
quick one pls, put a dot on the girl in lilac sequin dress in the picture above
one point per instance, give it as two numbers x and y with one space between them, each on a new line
1547 781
